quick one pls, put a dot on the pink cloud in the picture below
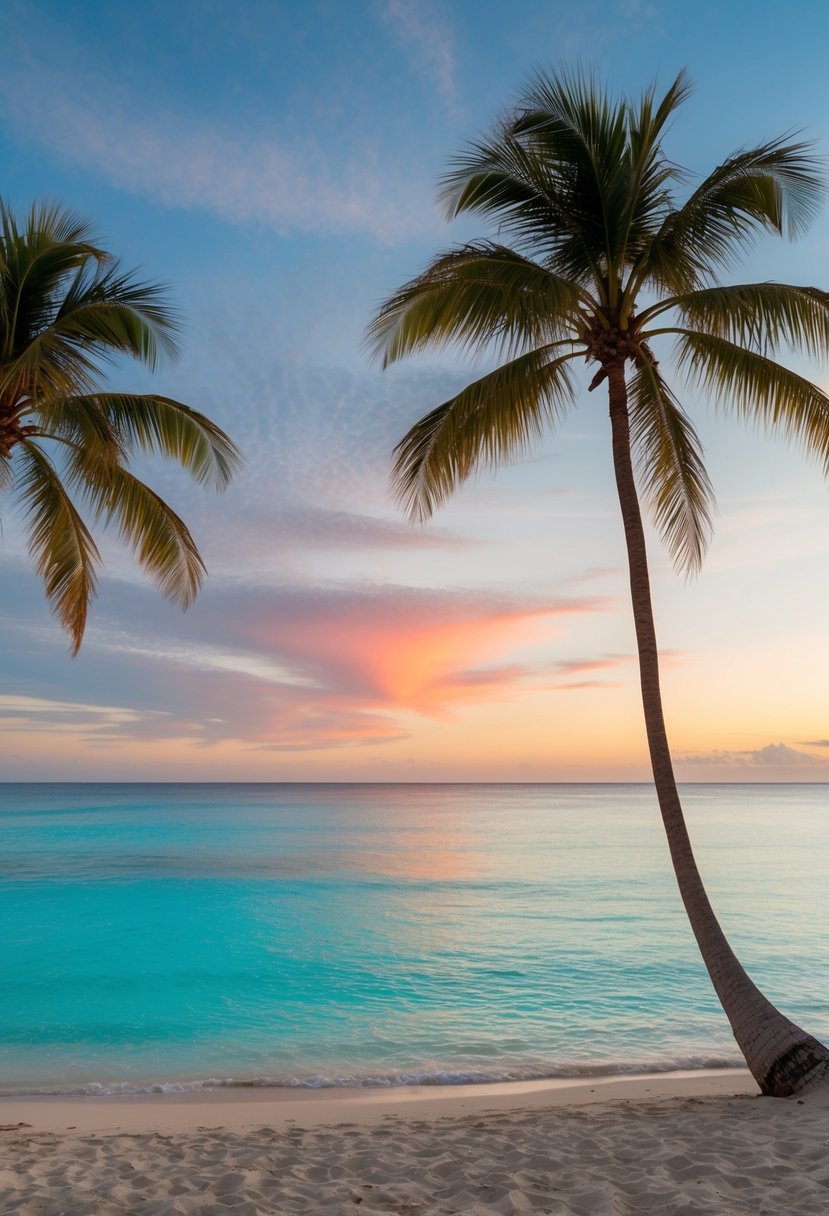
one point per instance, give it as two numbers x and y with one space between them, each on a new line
574 667
404 649
297 669
576 685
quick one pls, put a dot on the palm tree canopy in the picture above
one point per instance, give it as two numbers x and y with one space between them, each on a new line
67 311
601 247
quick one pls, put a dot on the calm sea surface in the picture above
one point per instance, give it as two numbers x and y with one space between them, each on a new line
172 935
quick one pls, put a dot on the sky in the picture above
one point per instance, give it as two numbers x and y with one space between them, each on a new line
276 164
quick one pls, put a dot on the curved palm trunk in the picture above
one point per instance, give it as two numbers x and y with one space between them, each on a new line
782 1057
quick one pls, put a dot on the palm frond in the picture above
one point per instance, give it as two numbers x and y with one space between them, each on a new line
571 174
668 457
550 175
128 315
80 422
761 316
160 540
36 262
59 344
109 426
470 297
496 417
647 124
49 367
758 389
571 123
609 154
651 174
777 187
503 179
150 423
49 224
61 545
48 227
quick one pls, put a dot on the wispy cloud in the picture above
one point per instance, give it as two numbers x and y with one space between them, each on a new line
26 713
570 667
579 685
424 34
187 161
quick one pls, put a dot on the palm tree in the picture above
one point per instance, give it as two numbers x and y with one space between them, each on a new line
601 259
66 309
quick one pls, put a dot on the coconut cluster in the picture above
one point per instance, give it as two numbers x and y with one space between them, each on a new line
611 345
11 432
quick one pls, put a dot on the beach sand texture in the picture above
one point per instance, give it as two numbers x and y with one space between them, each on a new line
586 1151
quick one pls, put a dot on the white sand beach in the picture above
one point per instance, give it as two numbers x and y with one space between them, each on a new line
672 1144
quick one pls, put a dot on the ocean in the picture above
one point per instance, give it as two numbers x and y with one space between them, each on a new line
165 937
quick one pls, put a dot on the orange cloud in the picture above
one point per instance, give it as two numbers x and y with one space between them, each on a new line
298 670
410 650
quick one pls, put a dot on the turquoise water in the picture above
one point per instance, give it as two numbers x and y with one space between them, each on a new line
176 935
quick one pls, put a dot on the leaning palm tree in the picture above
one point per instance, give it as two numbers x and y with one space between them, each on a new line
66 310
595 258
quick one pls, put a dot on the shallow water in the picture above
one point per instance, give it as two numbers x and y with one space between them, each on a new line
168 935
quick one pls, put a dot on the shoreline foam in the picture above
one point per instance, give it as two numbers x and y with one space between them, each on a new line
235 1109
373 1079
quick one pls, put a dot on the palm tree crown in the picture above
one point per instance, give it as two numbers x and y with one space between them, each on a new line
67 309
586 193
596 256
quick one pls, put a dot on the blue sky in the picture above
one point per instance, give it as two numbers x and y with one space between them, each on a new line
276 165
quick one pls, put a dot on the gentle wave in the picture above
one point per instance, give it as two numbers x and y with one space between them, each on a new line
383 1080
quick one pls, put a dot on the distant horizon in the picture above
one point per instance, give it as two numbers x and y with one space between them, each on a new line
182 781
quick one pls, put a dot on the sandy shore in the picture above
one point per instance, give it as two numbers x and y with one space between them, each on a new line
672 1145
